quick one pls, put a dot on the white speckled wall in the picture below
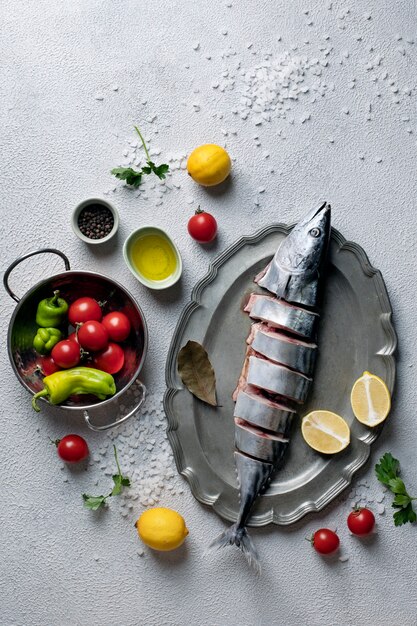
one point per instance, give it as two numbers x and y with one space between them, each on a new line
75 78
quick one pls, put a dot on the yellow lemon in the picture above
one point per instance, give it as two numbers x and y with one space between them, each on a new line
209 165
370 399
325 431
161 528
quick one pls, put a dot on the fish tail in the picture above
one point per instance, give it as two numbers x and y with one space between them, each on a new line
238 536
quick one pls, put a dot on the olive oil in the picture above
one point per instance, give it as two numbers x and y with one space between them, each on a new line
153 257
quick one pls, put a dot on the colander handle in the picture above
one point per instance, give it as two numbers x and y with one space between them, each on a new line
26 256
124 418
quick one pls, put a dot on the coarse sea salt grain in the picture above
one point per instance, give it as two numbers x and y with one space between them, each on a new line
144 455
271 89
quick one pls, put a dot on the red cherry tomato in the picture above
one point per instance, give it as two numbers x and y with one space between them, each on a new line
361 521
93 336
202 227
325 541
110 360
73 337
72 448
117 325
66 353
84 310
47 365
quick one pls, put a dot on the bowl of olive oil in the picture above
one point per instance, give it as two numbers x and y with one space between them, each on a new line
152 257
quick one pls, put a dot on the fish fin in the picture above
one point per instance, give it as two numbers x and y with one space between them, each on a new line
239 537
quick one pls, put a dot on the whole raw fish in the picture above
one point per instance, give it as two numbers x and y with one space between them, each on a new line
278 365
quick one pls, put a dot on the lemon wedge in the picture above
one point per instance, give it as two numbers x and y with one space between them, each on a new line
325 432
370 399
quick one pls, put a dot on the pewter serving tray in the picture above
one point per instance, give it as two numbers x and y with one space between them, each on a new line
355 334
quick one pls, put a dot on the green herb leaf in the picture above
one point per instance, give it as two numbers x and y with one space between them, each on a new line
387 471
401 500
132 177
120 481
404 515
387 468
159 170
94 502
397 486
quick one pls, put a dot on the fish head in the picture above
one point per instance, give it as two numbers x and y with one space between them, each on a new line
302 252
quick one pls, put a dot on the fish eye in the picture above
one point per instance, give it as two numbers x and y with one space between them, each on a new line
315 232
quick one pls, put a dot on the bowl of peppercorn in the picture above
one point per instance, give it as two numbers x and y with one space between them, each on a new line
95 220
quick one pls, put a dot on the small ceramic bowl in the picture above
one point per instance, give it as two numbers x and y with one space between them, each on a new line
127 254
91 202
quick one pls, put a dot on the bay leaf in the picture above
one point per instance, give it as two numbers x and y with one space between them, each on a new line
197 373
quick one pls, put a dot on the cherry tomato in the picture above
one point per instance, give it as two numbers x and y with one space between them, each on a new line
47 365
110 360
73 337
325 541
84 310
93 336
72 448
361 521
117 325
202 227
66 353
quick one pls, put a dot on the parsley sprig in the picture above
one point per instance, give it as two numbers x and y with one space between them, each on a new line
387 471
95 502
134 177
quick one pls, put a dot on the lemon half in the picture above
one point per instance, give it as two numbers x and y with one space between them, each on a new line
209 165
325 432
161 528
370 399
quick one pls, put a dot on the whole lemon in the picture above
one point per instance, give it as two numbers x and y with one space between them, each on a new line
209 165
161 528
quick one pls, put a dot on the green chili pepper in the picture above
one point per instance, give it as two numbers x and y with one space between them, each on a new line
45 339
51 311
77 380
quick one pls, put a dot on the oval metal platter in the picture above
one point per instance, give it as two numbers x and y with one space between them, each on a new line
355 334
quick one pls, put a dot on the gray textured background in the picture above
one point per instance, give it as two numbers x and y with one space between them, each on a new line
59 564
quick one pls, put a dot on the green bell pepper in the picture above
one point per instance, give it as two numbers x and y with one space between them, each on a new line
51 311
77 380
45 339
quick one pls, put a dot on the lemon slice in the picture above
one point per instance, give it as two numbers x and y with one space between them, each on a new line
370 399
325 432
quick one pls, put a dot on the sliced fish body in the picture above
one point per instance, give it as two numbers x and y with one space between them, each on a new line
295 270
280 314
258 410
276 365
259 444
293 353
278 379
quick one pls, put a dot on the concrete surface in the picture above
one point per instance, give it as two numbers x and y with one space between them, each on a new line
64 125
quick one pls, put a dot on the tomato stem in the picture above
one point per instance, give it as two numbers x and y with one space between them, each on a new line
199 211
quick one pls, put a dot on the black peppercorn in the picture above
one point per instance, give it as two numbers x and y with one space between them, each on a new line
96 221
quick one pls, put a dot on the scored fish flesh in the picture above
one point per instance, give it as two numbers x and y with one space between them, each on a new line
280 314
294 353
254 408
277 379
277 367
259 444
